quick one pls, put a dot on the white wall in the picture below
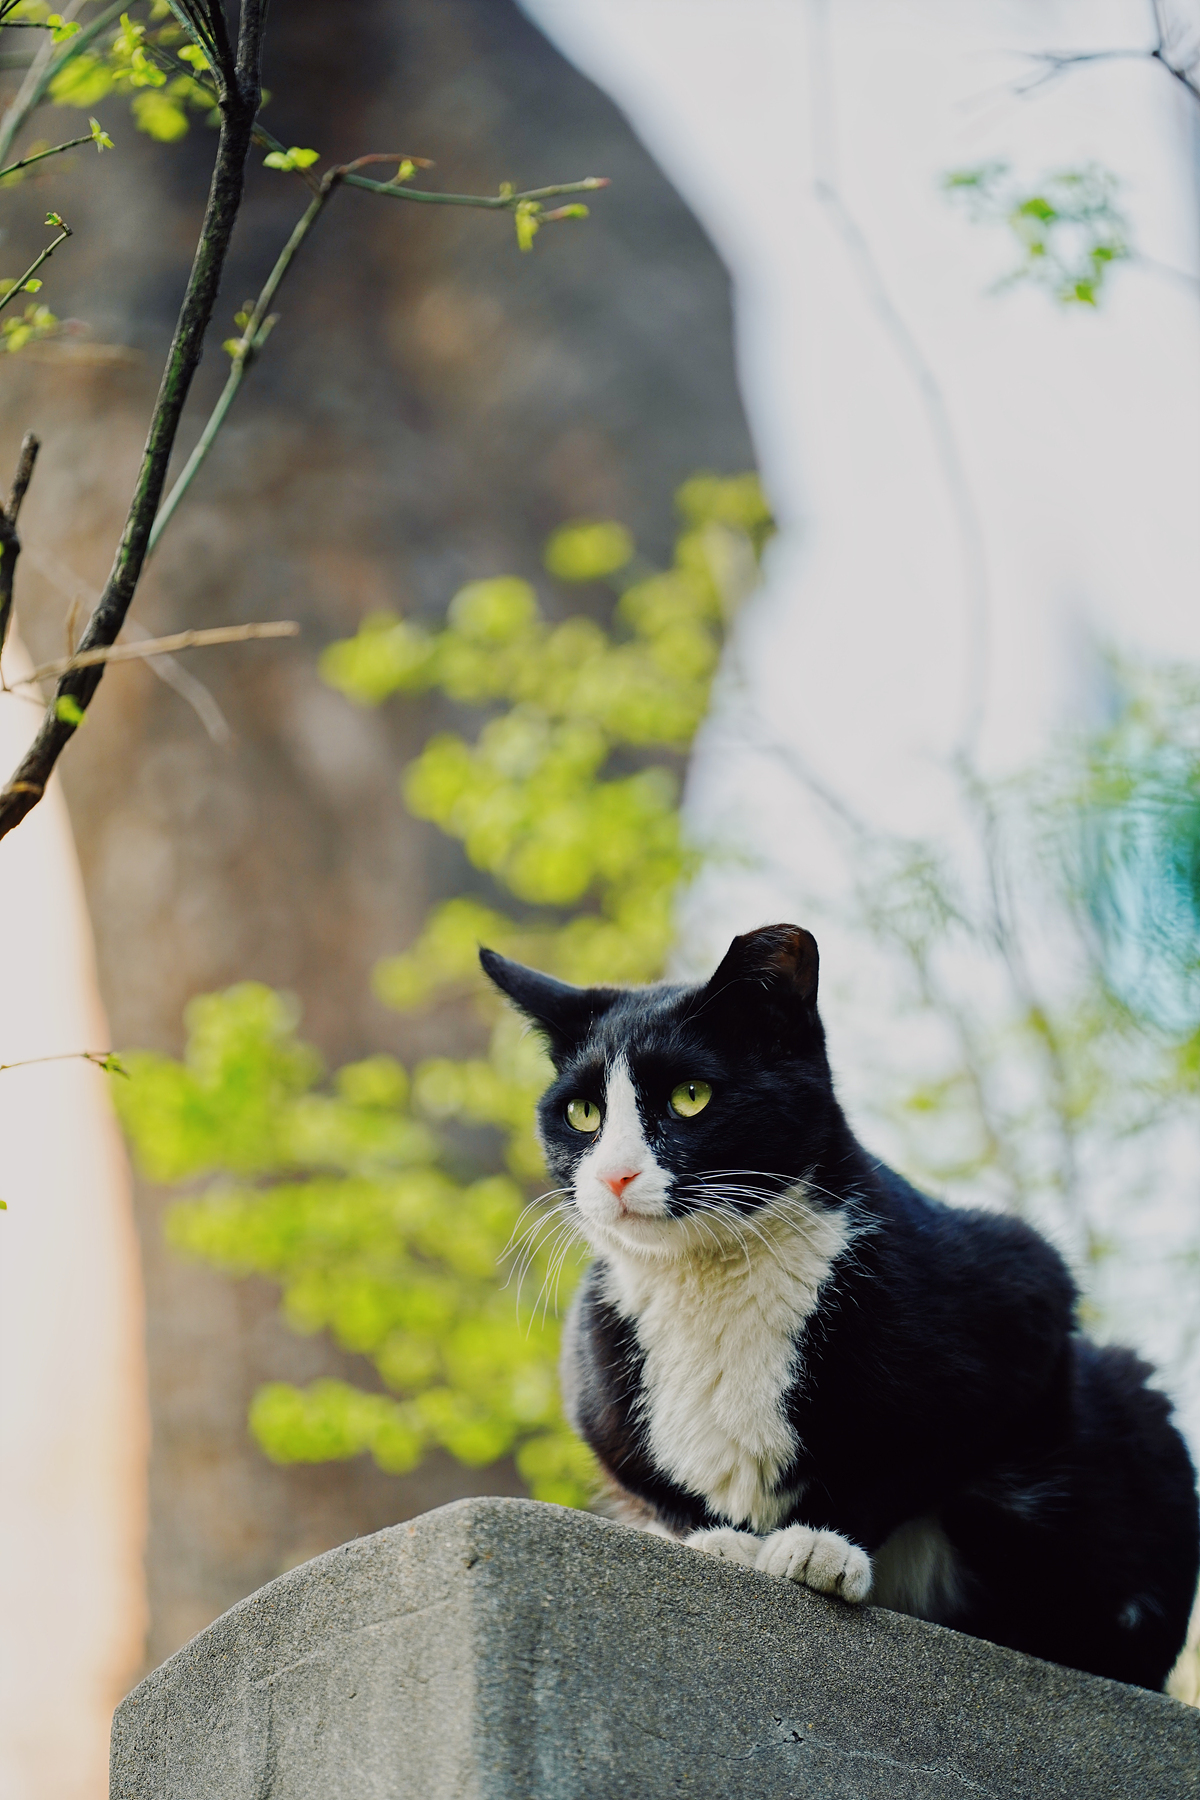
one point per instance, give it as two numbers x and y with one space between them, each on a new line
980 494
73 1413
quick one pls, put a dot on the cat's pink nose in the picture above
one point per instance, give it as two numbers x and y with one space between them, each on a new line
618 1183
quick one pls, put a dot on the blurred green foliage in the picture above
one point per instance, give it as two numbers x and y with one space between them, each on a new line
374 1199
1069 229
152 62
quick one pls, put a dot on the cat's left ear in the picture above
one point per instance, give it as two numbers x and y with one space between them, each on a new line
774 968
564 1013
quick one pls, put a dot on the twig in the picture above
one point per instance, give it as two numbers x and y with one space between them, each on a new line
488 202
10 543
168 669
1055 63
164 646
254 336
18 287
30 445
103 1059
258 326
239 86
27 162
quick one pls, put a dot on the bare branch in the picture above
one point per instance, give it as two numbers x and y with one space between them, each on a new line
239 104
10 543
103 1059
164 646
30 445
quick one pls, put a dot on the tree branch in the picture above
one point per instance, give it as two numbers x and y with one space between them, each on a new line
239 99
10 543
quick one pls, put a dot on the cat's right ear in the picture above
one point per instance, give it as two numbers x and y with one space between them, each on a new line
565 1014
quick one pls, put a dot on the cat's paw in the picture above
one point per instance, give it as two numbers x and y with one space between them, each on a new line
818 1559
725 1542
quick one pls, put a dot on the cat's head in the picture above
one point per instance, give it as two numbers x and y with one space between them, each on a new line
678 1109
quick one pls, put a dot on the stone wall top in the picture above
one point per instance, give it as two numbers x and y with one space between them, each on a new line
505 1650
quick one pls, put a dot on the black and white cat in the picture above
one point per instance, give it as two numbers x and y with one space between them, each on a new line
786 1355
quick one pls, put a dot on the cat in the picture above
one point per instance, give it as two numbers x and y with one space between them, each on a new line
789 1358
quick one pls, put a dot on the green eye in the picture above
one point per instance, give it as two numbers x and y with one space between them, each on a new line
584 1115
690 1097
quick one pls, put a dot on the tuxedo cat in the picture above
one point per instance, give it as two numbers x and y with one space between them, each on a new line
787 1356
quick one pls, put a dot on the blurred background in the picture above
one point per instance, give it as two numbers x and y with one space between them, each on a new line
929 273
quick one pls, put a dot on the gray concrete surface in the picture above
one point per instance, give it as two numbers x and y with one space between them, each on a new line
504 1650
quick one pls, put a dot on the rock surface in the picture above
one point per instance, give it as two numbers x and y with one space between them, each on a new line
503 1650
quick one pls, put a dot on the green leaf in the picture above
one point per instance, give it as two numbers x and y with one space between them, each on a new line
100 137
525 218
160 116
588 549
295 158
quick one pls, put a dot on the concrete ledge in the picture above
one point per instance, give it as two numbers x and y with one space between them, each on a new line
504 1650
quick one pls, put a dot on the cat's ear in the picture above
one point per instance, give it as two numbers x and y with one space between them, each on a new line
565 1014
774 968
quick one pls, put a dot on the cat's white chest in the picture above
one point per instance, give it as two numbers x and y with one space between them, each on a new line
722 1340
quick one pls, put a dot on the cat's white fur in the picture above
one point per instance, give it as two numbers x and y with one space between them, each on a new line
719 1308
916 1571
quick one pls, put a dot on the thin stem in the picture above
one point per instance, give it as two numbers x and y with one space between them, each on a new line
254 337
489 202
19 286
46 66
27 162
239 103
103 1059
164 646
254 334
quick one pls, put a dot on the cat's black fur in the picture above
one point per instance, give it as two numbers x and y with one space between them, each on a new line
942 1370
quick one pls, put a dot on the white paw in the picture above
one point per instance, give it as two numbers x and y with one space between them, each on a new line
728 1544
819 1559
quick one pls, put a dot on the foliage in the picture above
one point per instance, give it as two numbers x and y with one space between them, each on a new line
152 63
1069 230
374 1200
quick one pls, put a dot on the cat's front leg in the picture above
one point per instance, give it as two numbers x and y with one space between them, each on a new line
727 1544
819 1559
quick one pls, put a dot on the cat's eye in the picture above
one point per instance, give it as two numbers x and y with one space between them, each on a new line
689 1098
584 1115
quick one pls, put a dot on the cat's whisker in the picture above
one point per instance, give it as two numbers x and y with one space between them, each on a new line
560 1218
518 1230
561 1244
